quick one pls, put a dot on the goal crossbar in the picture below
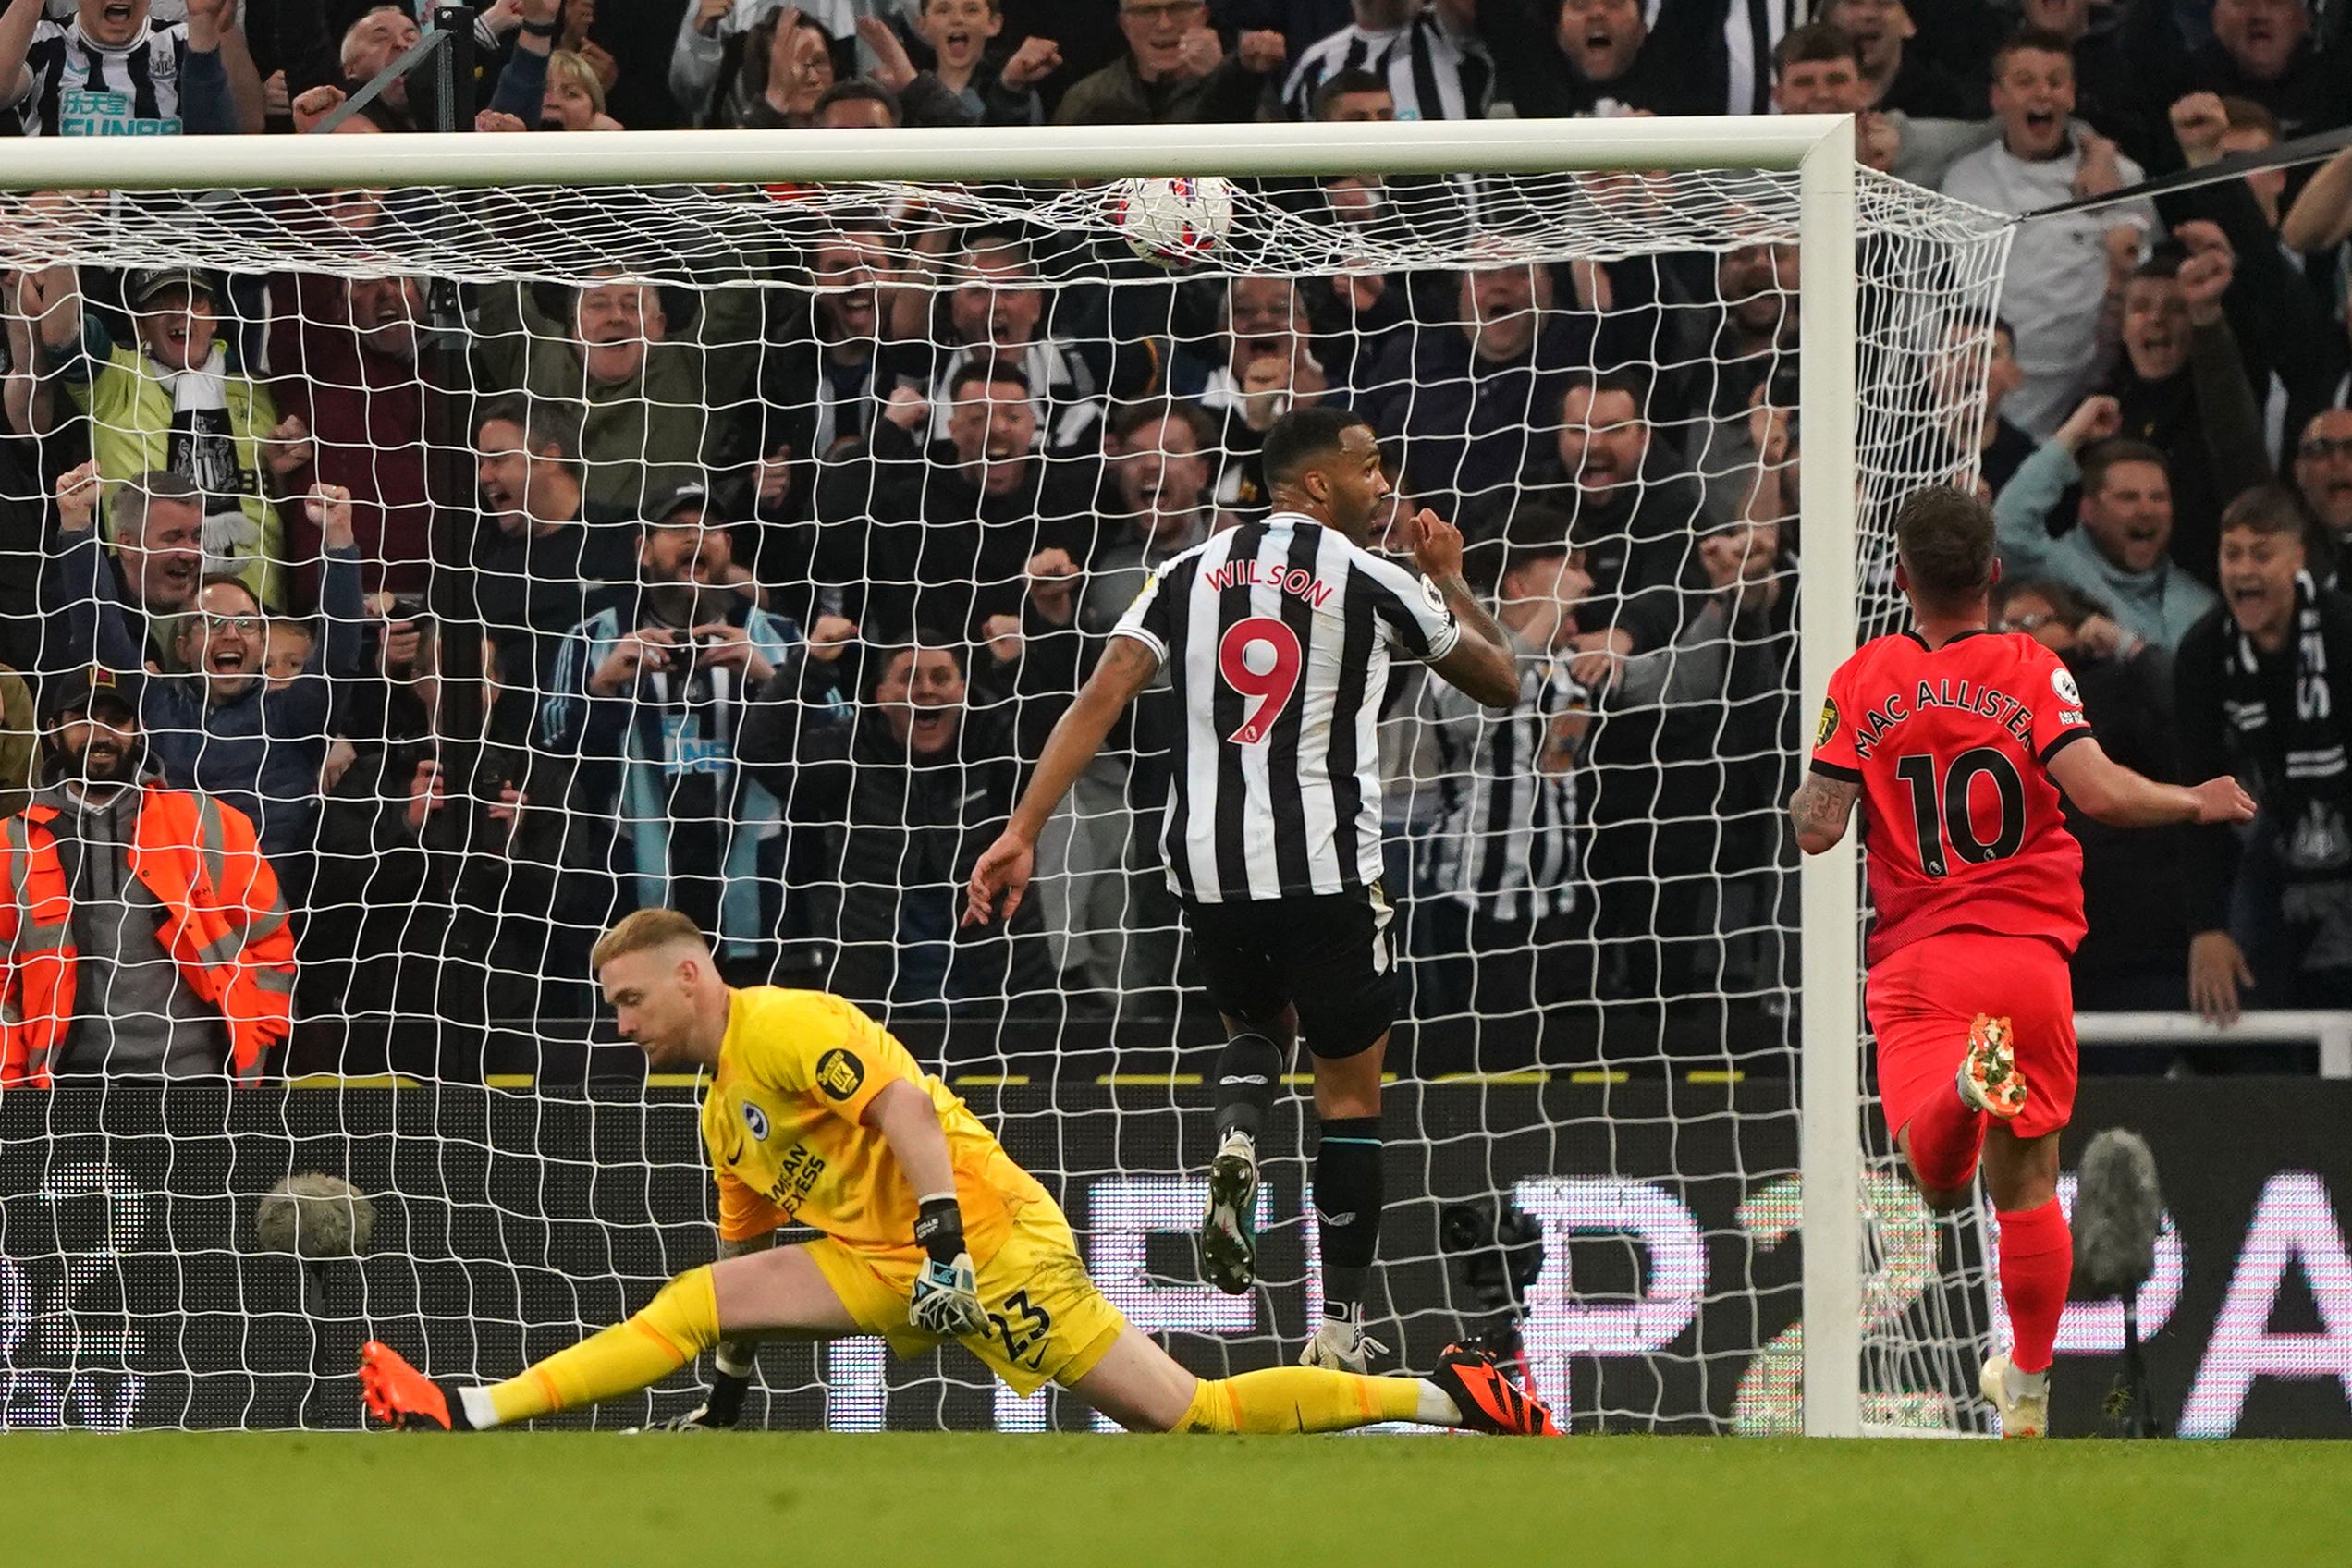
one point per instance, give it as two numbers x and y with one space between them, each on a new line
701 157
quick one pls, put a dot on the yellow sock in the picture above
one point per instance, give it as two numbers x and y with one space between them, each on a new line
676 1326
1299 1398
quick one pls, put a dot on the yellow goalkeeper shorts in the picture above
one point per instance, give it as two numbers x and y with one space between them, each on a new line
1046 1322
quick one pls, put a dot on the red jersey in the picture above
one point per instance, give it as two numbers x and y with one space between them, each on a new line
1965 831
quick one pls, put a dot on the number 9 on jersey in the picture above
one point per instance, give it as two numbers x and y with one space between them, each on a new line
1260 657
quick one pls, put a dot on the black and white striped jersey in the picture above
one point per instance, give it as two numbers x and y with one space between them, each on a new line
1063 392
1276 637
1504 843
1752 30
82 89
1432 74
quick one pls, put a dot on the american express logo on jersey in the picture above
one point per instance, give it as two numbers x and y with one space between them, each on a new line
795 1179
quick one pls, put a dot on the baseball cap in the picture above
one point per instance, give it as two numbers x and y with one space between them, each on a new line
145 285
83 690
669 502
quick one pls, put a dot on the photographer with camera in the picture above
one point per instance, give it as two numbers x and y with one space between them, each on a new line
647 696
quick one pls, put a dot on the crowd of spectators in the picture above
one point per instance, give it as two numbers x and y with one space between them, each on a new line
752 591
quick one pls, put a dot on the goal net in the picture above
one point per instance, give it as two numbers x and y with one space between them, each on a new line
733 545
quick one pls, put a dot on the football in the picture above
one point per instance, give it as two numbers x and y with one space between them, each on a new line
314 1216
1175 223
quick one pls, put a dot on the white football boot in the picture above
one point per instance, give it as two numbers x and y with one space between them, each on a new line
1342 1345
2022 1398
1229 1228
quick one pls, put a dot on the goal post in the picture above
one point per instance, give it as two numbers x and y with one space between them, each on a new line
1866 434
1830 1141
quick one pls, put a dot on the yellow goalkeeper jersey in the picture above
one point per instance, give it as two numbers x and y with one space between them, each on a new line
796 1071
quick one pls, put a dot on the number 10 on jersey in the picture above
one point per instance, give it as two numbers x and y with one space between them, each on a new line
1946 814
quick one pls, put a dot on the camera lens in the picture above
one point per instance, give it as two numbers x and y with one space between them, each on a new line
1464 1227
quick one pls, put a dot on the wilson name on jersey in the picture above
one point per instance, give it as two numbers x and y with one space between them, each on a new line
1276 637
1965 828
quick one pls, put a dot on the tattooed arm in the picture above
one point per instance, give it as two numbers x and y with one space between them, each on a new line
1819 810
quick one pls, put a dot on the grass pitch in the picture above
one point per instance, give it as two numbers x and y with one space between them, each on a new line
720 1500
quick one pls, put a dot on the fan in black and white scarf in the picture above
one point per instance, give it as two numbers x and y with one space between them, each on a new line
2306 774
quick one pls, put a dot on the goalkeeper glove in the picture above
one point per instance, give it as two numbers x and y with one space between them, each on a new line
724 1401
719 1408
698 1419
946 1288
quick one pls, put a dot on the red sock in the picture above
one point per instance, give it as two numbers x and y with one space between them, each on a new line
1946 1138
2037 1260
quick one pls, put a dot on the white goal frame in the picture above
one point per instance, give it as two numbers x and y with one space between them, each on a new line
1819 148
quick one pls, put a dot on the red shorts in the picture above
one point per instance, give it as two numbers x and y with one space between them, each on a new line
1922 997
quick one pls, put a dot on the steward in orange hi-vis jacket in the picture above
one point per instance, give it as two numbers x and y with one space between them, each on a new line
190 866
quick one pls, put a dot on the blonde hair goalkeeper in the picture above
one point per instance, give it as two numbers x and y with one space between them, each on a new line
927 1230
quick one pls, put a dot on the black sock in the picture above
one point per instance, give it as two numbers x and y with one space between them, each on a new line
1349 1179
459 1420
1249 1070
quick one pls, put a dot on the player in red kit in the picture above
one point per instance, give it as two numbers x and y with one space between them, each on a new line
1957 742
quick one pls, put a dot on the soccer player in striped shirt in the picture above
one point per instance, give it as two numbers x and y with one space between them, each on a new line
1276 637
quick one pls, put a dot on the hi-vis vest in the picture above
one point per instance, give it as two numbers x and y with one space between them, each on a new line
223 923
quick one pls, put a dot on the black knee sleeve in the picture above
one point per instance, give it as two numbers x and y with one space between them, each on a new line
1249 1071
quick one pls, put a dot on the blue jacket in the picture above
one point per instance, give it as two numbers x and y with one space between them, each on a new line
259 751
81 580
631 749
2158 606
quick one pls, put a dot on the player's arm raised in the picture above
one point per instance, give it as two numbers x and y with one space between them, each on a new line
947 1292
1480 663
2109 792
1125 668
1819 811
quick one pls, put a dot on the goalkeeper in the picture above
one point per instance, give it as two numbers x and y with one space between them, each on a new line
928 1232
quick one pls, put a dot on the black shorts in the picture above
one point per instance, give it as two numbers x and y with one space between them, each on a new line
1330 956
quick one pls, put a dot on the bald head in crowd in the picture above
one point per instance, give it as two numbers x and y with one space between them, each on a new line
158 527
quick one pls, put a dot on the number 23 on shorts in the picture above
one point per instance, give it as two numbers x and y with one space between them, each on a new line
1023 1327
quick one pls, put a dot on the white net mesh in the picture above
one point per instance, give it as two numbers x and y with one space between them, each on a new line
734 548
